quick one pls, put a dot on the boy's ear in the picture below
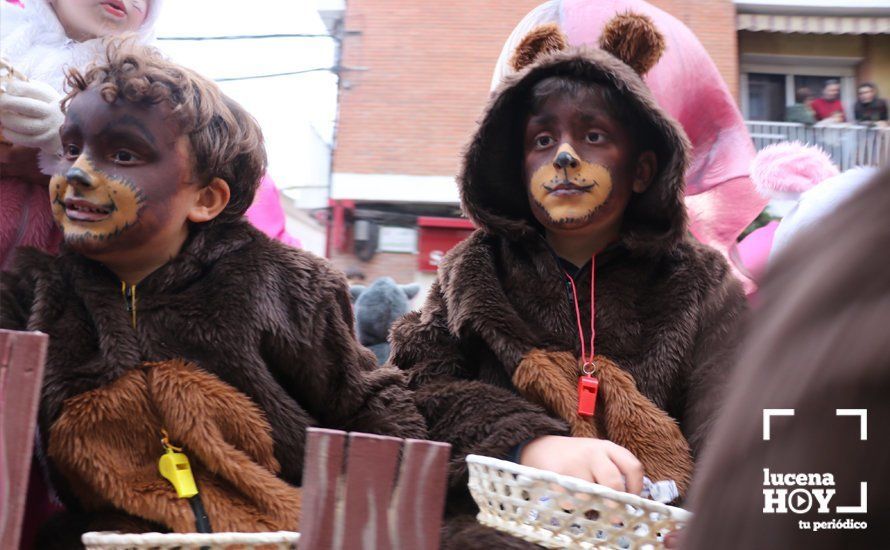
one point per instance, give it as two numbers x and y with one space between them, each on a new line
212 200
647 166
634 39
539 41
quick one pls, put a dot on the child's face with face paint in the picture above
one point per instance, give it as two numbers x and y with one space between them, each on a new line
125 186
86 19
581 166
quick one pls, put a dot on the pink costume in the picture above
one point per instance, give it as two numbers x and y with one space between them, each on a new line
720 197
811 185
267 215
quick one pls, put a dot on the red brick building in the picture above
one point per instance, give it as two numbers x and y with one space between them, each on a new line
416 80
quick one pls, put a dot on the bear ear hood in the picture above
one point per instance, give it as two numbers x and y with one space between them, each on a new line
633 39
541 40
630 37
490 180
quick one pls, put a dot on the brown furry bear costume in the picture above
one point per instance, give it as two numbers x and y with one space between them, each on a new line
494 354
240 344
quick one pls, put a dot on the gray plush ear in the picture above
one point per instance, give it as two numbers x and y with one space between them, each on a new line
355 291
410 290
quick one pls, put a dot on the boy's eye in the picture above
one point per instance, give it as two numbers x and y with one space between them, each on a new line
543 141
72 151
124 157
593 137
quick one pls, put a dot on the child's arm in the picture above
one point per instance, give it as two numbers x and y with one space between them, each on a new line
316 357
719 334
474 416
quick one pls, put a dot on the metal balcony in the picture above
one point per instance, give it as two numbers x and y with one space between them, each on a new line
847 144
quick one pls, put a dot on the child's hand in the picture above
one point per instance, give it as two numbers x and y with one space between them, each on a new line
594 460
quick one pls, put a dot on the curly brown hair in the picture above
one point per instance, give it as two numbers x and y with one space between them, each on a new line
226 140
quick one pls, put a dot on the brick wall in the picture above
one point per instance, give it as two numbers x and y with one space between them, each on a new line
401 267
429 65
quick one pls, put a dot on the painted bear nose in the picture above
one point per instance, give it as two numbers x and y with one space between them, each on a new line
564 160
79 177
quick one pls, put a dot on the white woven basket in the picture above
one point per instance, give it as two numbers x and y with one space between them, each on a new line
559 511
284 540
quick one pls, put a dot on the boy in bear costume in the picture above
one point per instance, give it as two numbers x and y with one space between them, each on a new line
581 268
171 318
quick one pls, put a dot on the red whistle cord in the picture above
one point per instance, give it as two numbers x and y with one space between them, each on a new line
585 359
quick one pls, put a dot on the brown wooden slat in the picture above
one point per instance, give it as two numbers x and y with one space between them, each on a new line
375 503
22 356
419 499
370 478
322 469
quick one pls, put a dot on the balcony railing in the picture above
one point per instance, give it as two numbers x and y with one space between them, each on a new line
848 145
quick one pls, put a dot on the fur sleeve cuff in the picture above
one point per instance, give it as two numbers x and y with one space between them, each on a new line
478 418
389 408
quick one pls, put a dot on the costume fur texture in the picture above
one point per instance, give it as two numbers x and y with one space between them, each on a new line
544 39
634 39
790 168
273 322
667 308
623 415
107 442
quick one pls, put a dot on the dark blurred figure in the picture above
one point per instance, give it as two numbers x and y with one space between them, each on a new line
820 342
355 275
802 111
869 108
829 106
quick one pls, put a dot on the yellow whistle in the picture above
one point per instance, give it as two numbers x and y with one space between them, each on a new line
175 468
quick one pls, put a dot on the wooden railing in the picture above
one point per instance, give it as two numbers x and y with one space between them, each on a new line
848 145
22 355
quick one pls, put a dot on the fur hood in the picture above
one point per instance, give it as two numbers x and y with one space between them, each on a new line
36 44
489 181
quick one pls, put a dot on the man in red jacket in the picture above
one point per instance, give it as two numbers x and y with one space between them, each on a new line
829 105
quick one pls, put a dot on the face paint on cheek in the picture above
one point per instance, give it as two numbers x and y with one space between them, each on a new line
98 211
573 193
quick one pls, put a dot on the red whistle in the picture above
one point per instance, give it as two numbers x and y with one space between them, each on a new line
587 387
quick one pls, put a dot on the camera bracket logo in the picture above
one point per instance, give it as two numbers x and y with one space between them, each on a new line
800 493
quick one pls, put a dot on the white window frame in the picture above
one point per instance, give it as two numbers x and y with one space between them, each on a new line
799 65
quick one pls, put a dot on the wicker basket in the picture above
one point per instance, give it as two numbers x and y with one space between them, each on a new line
284 540
558 511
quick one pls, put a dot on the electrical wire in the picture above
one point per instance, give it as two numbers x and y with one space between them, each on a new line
244 37
272 75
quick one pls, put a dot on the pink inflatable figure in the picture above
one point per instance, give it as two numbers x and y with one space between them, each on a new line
720 197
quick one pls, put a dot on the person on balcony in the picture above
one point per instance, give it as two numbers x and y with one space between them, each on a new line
802 111
870 109
829 107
